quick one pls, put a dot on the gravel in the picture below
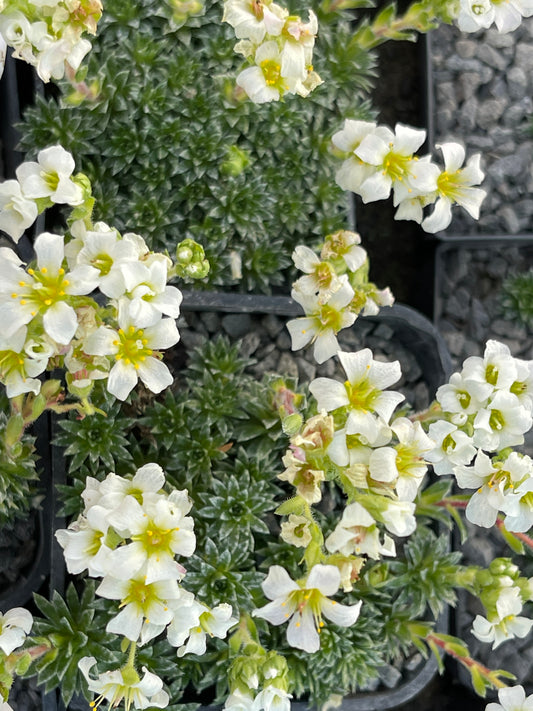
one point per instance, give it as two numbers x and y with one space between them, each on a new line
483 88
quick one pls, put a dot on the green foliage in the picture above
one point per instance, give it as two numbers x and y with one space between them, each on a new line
426 574
76 629
157 140
516 298
99 441
18 475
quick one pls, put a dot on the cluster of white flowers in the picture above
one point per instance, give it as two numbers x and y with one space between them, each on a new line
47 310
379 462
48 33
130 533
477 15
333 292
279 47
15 624
488 407
377 161
512 699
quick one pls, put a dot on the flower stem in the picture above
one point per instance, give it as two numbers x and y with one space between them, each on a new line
521 536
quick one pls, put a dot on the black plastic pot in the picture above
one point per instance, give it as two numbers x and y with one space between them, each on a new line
416 333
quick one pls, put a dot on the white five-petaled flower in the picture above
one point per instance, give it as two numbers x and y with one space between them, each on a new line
512 698
395 166
506 623
145 606
159 529
357 533
202 621
303 606
135 351
322 322
42 292
50 177
475 15
452 447
15 624
456 185
124 685
363 394
19 365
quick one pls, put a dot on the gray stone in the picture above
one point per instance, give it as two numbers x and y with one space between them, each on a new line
236 325
283 341
488 55
510 220
516 82
524 57
389 675
468 84
507 167
478 320
467 115
490 111
272 324
498 40
498 88
211 321
466 48
287 365
250 344
307 370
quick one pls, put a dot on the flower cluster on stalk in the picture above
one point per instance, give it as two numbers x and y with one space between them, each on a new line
49 35
333 292
277 45
378 161
486 409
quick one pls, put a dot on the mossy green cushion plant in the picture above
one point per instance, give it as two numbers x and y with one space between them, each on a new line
172 154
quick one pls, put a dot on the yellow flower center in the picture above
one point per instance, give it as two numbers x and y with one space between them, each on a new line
132 346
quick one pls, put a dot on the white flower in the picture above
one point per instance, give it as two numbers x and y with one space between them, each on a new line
83 542
395 166
296 531
135 352
42 292
15 624
253 20
17 212
512 698
357 533
148 295
144 606
399 517
213 622
304 605
480 14
125 684
403 464
452 447
50 177
502 423
18 368
496 370
272 699
506 623
353 171
362 394
461 396
322 321
159 529
455 185
239 701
